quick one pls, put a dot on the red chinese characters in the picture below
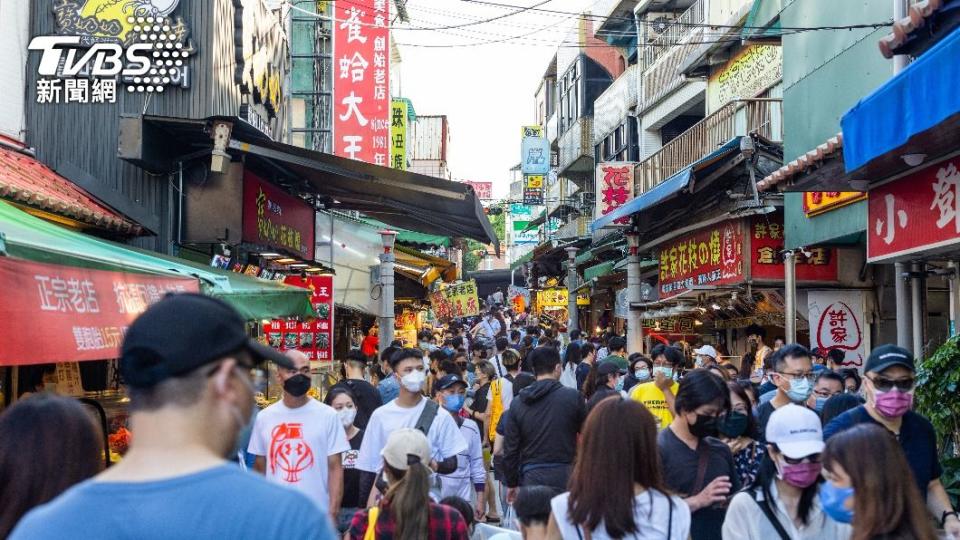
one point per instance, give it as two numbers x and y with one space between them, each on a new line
614 188
361 92
915 213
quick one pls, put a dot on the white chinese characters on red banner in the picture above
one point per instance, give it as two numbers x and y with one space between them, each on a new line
314 338
361 92
614 187
915 213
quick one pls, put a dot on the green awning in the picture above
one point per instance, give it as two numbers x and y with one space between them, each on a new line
522 260
763 21
614 241
598 270
412 238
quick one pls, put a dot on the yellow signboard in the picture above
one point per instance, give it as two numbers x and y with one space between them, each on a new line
744 76
583 298
398 134
818 202
455 301
552 298
535 181
532 131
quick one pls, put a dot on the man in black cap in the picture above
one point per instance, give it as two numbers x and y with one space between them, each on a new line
889 383
187 364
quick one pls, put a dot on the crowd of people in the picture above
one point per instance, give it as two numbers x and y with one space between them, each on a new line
497 427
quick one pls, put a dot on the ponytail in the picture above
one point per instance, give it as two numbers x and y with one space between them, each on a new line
409 499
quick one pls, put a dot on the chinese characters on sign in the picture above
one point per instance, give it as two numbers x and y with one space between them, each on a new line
455 301
275 219
711 256
746 75
484 190
915 213
614 187
74 314
361 93
767 244
398 134
533 190
316 337
839 319
552 298
534 151
261 71
818 202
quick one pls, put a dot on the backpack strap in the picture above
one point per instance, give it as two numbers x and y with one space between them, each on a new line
429 412
767 511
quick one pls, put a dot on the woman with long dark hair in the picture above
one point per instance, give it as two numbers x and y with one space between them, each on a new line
616 489
783 503
406 511
869 485
47 444
739 430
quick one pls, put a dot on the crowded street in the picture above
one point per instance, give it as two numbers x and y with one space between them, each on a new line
479 270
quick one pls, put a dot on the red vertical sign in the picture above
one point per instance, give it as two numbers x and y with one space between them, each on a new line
361 91
315 337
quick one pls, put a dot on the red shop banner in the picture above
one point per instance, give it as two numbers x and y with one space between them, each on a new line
276 219
361 80
710 256
766 241
314 338
915 213
52 313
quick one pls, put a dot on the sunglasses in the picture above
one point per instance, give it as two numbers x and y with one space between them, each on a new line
884 384
812 458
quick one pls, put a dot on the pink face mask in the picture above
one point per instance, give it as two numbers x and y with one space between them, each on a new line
800 475
893 403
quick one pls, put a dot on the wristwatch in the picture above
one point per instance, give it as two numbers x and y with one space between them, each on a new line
946 514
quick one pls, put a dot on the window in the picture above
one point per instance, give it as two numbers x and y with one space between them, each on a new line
621 144
569 92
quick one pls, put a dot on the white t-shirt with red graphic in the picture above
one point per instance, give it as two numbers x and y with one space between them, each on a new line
296 444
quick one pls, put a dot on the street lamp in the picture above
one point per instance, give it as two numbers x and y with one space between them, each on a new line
573 320
634 318
387 238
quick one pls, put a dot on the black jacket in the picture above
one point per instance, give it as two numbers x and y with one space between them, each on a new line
542 427
602 393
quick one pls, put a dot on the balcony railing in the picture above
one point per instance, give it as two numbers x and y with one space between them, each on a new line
763 116
575 228
680 29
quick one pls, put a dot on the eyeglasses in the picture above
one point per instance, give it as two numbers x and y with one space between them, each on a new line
884 384
810 376
824 393
812 458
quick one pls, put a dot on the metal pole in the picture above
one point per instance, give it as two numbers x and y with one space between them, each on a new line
916 303
790 298
386 300
954 297
900 61
573 318
634 322
904 338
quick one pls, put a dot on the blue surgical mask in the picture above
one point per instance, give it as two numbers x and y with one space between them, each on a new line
832 499
800 390
821 401
665 371
453 403
619 385
641 374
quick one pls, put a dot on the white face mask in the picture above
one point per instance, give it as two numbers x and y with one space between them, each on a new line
347 415
414 380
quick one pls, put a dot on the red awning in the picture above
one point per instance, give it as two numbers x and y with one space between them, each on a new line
27 181
52 313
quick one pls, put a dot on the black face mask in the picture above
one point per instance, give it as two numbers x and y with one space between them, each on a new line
733 425
706 426
297 385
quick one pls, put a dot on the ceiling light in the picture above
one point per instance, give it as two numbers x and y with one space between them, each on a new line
299 265
716 307
913 159
286 260
270 255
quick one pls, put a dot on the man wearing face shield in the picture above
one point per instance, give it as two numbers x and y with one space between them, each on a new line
186 363
299 441
793 375
889 383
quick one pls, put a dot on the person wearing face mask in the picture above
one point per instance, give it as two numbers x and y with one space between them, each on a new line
609 383
410 410
828 384
889 383
696 465
189 383
872 494
706 356
755 338
793 375
658 395
354 480
640 371
784 504
739 430
469 481
366 396
298 441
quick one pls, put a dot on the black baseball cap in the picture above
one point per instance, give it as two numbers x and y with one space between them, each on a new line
885 356
183 332
609 368
449 380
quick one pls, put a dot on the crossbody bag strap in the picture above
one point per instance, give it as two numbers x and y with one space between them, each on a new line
670 518
767 511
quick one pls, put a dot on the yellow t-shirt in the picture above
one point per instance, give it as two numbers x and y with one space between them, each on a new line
653 399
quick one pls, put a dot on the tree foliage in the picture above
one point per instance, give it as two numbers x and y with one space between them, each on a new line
937 399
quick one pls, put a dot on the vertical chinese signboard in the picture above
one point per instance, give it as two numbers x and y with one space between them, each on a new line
533 190
915 213
710 256
614 187
766 241
361 93
534 151
314 338
484 190
818 202
837 322
398 134
455 301
276 219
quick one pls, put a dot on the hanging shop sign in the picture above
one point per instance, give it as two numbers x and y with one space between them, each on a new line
361 74
520 210
455 301
916 213
275 219
263 65
708 257
818 202
614 187
399 118
534 151
670 325
52 313
837 319
315 337
552 298
484 190
522 235
583 298
746 75
519 298
533 190
766 232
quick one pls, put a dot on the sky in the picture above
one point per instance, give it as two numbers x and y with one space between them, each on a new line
486 90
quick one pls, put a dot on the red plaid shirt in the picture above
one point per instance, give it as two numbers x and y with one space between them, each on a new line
445 524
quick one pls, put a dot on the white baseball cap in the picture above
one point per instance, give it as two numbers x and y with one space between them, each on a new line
707 350
406 446
796 431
